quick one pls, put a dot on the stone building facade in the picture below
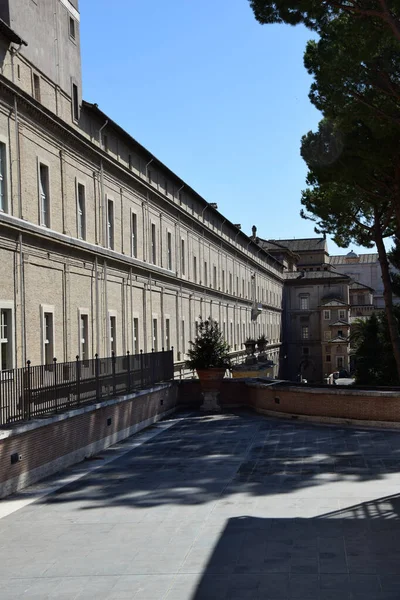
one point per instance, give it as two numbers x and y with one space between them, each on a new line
102 247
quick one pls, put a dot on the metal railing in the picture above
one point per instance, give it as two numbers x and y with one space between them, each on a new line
35 391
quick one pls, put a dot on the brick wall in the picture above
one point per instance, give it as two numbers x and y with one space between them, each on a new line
47 448
336 403
318 402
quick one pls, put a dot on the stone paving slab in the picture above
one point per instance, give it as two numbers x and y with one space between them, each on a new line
225 507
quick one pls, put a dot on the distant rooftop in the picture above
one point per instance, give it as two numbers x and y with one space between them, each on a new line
307 275
303 245
343 259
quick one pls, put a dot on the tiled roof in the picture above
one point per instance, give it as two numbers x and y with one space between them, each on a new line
303 245
362 258
307 275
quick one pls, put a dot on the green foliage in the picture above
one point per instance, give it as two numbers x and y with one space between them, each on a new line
318 14
373 353
394 258
262 340
366 337
209 349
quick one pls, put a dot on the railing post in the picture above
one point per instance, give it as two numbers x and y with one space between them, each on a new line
55 382
173 365
113 373
128 356
97 376
78 380
141 370
27 407
152 366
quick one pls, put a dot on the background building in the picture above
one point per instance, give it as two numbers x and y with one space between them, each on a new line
102 247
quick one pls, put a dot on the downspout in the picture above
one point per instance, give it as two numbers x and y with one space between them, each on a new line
103 200
97 306
14 52
22 288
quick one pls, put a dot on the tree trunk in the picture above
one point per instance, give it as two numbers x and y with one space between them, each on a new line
387 293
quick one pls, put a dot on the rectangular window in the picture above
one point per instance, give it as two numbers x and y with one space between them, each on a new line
134 235
223 281
342 315
340 333
328 358
136 336
183 348
195 269
167 334
110 224
205 274
231 333
44 195
155 336
340 362
81 211
327 315
214 277
304 302
306 351
182 257
75 102
153 244
84 337
327 335
304 332
72 32
5 339
237 286
48 338
36 87
113 335
243 292
230 283
3 178
169 250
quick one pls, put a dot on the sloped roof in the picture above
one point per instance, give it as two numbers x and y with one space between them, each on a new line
307 275
362 258
303 245
339 324
10 34
356 285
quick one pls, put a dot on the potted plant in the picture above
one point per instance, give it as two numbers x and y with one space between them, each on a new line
209 356
262 343
250 345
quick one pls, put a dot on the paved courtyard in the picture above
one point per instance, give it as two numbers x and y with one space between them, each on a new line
223 507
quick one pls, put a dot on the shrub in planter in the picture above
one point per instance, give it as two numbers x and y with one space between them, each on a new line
250 345
262 343
209 354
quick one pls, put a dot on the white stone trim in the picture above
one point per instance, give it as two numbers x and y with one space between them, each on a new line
71 9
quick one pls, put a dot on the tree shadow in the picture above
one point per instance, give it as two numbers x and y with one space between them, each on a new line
201 458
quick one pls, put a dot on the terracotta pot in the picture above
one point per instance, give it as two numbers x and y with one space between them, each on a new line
211 379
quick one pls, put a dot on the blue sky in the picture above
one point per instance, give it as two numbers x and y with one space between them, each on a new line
220 99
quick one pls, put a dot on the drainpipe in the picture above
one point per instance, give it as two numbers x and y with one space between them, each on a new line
147 166
14 52
202 212
180 189
22 288
103 200
97 306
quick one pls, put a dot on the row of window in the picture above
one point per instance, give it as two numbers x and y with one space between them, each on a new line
48 335
328 358
327 314
305 333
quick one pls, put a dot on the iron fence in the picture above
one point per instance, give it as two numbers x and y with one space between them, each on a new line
35 391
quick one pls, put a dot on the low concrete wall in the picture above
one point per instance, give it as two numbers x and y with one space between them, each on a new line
48 445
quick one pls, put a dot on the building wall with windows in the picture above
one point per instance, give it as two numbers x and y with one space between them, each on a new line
102 247
316 315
